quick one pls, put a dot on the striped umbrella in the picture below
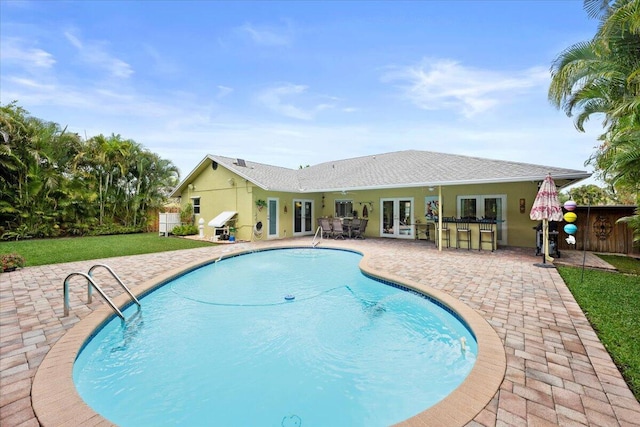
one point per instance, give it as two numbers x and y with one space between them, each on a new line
546 208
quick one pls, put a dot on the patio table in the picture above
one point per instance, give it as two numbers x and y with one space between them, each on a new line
346 225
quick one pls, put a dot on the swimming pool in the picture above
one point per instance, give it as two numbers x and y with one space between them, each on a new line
348 350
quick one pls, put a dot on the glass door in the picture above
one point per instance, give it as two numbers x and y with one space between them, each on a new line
388 219
272 218
302 217
397 218
493 210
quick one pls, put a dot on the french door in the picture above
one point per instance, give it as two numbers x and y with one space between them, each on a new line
302 217
397 218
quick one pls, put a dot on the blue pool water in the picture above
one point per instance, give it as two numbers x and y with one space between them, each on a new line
222 346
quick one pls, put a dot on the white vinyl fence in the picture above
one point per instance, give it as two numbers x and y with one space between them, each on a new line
167 222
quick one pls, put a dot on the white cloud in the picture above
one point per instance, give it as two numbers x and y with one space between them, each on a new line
158 63
436 84
95 53
98 102
18 51
267 36
279 100
74 40
31 84
223 91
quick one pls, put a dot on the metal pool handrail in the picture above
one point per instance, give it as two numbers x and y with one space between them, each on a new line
115 276
314 243
90 283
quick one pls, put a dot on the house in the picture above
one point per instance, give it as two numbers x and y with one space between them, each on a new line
398 192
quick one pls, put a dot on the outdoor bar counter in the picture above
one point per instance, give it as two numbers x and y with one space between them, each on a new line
428 229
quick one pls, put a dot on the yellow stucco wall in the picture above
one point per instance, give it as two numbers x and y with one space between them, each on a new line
221 190
285 211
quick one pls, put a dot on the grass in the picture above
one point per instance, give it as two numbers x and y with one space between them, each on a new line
624 264
54 251
610 302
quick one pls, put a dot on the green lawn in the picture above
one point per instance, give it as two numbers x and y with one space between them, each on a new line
610 300
624 264
54 251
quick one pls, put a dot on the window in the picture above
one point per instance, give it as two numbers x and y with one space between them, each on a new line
482 206
468 208
195 201
486 207
344 208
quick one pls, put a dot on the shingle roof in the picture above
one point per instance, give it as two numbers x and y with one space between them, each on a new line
410 168
265 176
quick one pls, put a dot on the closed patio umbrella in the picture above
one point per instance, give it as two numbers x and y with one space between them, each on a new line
546 208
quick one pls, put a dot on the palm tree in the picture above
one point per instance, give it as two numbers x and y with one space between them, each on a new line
602 77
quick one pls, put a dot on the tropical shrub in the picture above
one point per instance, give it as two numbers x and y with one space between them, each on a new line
184 230
186 214
110 229
54 183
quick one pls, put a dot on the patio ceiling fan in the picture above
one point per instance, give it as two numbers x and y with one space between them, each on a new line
343 192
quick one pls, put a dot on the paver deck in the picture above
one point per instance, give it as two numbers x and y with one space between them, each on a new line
558 372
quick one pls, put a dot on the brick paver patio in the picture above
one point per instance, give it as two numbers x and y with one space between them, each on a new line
558 372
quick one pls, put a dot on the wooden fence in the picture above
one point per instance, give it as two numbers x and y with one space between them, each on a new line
598 230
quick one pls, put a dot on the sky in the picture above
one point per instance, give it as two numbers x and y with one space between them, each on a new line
300 83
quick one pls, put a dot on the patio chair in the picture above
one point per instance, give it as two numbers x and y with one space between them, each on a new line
337 231
463 233
358 232
354 227
325 225
445 232
486 228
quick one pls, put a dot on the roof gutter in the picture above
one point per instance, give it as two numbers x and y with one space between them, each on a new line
572 177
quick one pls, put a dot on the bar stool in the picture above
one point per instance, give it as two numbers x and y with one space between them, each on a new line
444 232
463 234
486 228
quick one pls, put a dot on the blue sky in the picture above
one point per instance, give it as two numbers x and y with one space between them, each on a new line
297 83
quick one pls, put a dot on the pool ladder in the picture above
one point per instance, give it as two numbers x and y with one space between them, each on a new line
91 283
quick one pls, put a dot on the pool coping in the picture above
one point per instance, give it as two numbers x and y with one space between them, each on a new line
56 402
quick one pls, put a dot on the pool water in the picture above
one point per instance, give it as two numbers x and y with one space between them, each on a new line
222 346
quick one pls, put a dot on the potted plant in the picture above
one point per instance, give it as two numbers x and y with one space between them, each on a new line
9 262
261 204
